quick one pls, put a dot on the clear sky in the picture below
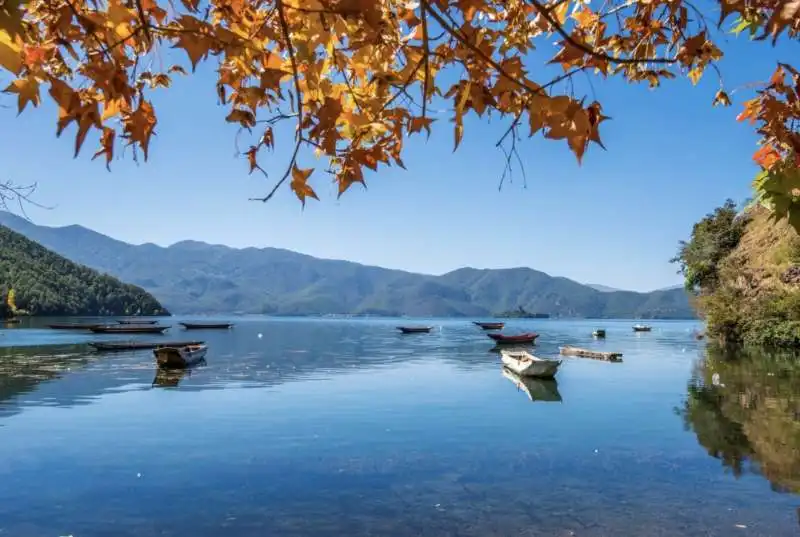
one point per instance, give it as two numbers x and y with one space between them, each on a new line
616 220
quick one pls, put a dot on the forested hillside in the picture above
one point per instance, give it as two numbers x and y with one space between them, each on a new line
45 283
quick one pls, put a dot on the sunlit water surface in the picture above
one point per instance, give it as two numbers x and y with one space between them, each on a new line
347 428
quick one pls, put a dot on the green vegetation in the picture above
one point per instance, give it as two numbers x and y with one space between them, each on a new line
194 277
744 269
44 283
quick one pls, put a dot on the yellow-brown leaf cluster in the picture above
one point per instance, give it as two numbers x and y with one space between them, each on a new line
357 77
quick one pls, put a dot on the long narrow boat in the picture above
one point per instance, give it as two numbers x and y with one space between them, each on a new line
415 329
139 345
129 329
518 339
72 326
202 326
489 325
135 321
526 364
569 350
180 357
642 328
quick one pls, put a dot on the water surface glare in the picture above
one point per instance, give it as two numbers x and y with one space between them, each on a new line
319 427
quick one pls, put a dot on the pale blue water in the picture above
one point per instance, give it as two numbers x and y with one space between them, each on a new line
347 428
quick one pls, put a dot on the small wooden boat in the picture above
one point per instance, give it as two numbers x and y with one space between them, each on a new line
642 328
129 329
139 345
72 326
135 321
569 350
180 357
209 326
536 389
526 364
600 333
415 329
518 339
489 326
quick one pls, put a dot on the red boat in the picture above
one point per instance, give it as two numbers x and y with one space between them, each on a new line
529 337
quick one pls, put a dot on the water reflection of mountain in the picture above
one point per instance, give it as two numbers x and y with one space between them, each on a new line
68 375
745 411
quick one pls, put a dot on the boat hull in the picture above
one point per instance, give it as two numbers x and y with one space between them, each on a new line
414 329
527 365
520 339
129 329
490 326
206 326
180 357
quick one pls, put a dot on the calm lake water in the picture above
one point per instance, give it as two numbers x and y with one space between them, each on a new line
347 428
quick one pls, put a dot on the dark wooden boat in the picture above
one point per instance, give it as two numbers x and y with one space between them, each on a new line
415 329
517 339
134 321
139 345
600 333
201 326
642 328
180 357
129 329
490 325
73 326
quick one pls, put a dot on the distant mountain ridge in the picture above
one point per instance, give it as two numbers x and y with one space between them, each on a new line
195 277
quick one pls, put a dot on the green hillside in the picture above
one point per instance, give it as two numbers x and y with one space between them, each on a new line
47 284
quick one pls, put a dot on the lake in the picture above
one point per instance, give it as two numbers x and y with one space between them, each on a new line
344 427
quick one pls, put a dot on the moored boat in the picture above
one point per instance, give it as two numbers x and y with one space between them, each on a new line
489 325
201 326
600 333
642 328
526 364
180 357
135 321
517 339
570 350
139 345
415 329
129 329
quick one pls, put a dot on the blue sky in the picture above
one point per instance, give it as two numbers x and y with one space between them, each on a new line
615 220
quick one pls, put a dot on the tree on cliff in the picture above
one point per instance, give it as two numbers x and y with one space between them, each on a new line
356 77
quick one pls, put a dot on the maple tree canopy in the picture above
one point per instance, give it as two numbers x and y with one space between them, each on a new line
356 77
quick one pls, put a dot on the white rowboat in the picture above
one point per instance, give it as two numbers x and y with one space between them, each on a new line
526 364
180 357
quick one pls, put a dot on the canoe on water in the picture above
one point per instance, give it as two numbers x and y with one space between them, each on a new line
415 329
517 339
201 326
526 364
129 329
180 357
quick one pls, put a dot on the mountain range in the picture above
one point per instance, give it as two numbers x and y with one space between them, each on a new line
195 277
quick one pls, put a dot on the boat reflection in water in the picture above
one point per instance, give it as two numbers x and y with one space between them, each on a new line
170 378
545 390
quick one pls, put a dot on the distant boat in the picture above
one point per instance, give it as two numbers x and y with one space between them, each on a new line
536 389
528 337
641 328
600 333
201 326
415 329
136 321
570 350
490 325
129 329
526 364
139 345
180 357
73 326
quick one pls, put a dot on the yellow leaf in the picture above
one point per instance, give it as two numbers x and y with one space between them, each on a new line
561 12
244 117
300 184
721 98
10 52
695 75
27 90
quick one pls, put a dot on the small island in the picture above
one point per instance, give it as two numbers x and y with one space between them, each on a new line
521 313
